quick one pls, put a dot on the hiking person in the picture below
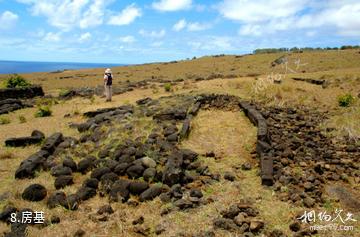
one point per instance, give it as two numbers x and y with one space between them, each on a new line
108 84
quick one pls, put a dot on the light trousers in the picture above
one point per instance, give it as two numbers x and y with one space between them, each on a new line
108 92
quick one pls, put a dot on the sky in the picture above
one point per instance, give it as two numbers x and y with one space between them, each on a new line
134 32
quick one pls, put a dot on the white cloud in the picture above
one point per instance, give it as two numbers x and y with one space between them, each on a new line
126 16
345 18
213 43
196 26
190 26
94 15
153 34
67 14
260 10
266 17
127 39
85 37
180 25
172 5
8 20
157 44
251 30
310 33
61 14
52 37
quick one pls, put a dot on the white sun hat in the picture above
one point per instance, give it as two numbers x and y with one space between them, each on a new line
108 71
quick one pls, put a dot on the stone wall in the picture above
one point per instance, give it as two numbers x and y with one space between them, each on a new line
21 93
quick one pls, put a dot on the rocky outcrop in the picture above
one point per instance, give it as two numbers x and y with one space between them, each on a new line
35 138
309 80
52 142
34 193
185 129
103 112
171 114
35 162
241 218
173 169
21 93
10 105
262 144
28 167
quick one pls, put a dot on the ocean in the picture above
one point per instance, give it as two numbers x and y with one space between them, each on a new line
8 67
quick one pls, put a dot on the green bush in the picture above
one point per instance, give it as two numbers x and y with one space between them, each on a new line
4 120
43 111
167 87
16 81
346 100
64 92
22 119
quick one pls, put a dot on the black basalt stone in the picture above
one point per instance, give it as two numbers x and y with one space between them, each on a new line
34 193
63 181
99 172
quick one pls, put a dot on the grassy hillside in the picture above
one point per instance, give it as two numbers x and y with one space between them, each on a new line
322 62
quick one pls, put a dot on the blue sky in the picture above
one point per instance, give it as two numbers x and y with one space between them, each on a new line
111 31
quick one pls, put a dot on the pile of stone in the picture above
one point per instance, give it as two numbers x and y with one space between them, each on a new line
124 170
21 93
10 98
35 138
102 117
42 159
310 80
304 158
244 219
10 105
240 218
143 168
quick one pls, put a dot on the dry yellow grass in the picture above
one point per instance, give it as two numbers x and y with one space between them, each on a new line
232 137
310 62
229 134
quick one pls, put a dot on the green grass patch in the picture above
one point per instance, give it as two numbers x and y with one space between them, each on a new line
167 87
43 111
346 100
64 92
4 120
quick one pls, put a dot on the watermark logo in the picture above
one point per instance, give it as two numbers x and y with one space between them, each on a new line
28 217
287 66
337 221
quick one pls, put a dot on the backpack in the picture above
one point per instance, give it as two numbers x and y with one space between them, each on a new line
109 80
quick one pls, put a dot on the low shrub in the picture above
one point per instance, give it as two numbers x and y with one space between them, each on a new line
16 81
346 100
64 92
4 120
167 87
43 111
22 119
